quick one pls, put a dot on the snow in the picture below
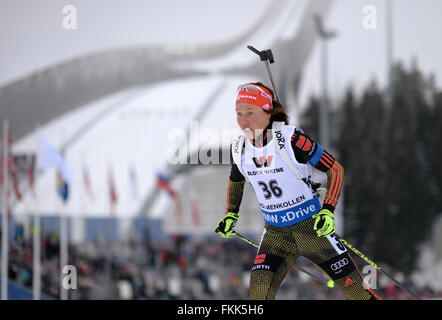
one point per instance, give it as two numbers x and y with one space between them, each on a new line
131 129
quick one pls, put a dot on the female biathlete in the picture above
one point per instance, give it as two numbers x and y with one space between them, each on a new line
277 160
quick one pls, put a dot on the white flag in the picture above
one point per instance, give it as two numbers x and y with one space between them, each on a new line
49 157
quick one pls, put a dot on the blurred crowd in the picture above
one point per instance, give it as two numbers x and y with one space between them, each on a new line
176 268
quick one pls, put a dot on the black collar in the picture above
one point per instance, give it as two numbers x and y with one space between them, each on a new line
263 138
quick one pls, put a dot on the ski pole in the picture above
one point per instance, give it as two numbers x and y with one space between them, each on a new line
363 257
330 283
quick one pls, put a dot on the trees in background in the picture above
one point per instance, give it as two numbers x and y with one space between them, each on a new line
392 155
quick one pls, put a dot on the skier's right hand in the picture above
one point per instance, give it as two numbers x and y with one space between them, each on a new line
225 226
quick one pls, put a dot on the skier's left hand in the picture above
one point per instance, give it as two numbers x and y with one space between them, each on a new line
324 223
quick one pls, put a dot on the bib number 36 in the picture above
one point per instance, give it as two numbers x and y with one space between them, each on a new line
270 189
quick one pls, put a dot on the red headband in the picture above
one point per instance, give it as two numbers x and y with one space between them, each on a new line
253 94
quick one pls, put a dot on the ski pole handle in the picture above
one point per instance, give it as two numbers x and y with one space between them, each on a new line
264 55
254 50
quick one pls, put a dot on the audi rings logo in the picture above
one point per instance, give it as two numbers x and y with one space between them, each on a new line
338 265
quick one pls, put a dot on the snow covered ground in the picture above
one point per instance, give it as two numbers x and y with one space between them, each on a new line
136 129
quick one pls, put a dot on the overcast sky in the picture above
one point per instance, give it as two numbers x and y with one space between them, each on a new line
32 36
358 55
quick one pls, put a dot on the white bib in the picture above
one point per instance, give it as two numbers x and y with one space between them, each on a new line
276 177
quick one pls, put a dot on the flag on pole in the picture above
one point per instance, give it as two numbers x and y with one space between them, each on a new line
11 167
195 213
112 189
49 157
14 176
62 187
30 168
2 175
164 183
113 196
5 220
87 183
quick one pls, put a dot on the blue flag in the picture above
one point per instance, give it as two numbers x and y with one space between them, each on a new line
62 187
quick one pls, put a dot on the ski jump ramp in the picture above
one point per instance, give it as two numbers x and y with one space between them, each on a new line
101 101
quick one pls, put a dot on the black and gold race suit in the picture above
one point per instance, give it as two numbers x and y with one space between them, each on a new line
282 243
